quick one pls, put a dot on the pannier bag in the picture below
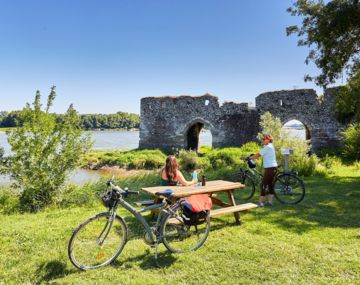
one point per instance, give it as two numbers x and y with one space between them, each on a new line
196 209
108 199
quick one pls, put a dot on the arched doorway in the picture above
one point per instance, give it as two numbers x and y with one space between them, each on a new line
198 134
297 129
192 136
205 137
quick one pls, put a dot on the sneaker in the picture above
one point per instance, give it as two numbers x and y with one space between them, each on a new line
260 205
269 204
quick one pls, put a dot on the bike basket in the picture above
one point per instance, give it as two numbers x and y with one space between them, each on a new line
108 199
193 218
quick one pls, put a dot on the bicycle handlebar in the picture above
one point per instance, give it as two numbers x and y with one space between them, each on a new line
125 192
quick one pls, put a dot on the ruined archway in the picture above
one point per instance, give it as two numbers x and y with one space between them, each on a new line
174 122
192 133
297 129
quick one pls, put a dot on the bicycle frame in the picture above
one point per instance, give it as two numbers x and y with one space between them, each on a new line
254 173
137 214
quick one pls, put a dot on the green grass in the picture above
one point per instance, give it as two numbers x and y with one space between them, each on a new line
315 242
6 129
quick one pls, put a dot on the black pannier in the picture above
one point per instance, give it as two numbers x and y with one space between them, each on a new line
108 198
193 218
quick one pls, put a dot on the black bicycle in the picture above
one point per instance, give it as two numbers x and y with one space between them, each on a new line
99 240
289 187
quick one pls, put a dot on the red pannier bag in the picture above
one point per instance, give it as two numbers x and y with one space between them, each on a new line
196 209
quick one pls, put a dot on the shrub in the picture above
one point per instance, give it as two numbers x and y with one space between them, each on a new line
351 139
45 150
133 159
357 165
9 200
188 160
249 148
74 195
330 151
330 162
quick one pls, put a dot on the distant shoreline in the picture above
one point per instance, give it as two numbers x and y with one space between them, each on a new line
88 130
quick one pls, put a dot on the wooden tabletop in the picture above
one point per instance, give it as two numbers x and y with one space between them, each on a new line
210 187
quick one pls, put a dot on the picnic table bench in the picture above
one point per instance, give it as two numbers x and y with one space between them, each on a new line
211 188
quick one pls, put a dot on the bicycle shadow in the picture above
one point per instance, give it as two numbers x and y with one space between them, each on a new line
51 270
136 229
147 260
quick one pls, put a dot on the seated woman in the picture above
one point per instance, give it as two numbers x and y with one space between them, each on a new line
171 175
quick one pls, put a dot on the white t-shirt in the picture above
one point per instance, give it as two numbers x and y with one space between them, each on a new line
268 154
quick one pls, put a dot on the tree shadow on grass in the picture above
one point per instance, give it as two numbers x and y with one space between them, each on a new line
329 202
48 271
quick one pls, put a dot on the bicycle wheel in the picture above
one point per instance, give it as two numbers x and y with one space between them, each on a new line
289 188
97 242
178 237
246 193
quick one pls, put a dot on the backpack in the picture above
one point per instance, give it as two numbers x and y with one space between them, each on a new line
196 209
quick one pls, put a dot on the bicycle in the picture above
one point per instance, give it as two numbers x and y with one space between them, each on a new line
288 189
99 240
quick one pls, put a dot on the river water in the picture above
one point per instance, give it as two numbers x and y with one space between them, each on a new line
110 140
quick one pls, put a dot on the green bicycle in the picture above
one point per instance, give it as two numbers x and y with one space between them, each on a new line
99 240
289 187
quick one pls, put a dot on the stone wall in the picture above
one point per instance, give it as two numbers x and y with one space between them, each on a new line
316 113
168 122
175 122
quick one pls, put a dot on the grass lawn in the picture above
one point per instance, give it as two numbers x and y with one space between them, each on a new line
315 242
6 129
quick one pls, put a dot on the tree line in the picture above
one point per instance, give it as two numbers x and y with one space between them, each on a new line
119 120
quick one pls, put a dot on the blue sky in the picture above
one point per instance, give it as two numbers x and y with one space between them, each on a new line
104 56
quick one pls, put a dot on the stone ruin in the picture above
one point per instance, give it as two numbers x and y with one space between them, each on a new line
175 122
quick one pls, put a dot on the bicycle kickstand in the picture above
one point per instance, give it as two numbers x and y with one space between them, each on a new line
156 254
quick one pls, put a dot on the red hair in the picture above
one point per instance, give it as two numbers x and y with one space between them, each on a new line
171 168
268 137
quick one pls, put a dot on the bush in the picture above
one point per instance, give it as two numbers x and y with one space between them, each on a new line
351 139
44 151
329 151
9 200
78 195
188 160
357 165
330 162
133 159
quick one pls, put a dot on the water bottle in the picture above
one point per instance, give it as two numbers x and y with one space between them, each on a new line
194 176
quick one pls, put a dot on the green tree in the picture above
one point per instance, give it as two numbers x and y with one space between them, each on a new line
12 119
44 151
348 101
332 32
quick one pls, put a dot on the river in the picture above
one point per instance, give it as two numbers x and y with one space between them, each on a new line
109 140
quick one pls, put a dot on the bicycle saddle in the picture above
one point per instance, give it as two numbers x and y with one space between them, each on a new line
166 193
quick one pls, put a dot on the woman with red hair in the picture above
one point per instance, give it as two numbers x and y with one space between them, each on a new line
171 175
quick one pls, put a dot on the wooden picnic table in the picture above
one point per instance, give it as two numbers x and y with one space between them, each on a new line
211 188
